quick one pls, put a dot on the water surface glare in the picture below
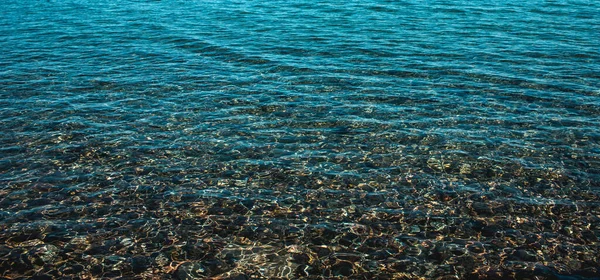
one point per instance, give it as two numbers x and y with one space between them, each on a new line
300 139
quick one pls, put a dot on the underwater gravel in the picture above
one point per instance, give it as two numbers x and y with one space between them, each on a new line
276 223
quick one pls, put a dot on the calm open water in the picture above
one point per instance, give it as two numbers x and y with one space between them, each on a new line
300 139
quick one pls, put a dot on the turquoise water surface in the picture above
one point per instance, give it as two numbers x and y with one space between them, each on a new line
299 139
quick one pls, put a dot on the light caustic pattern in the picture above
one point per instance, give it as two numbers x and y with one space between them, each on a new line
295 139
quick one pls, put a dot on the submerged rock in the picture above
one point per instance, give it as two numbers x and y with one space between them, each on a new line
200 270
191 270
43 254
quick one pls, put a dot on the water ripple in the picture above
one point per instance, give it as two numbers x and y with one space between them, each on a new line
240 139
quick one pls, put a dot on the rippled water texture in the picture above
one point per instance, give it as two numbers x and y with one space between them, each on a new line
300 139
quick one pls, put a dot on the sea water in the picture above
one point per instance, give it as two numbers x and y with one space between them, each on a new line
299 139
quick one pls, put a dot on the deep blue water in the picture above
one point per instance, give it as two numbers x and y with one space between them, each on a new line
300 139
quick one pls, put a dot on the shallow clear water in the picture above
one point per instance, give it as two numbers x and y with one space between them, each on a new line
294 139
